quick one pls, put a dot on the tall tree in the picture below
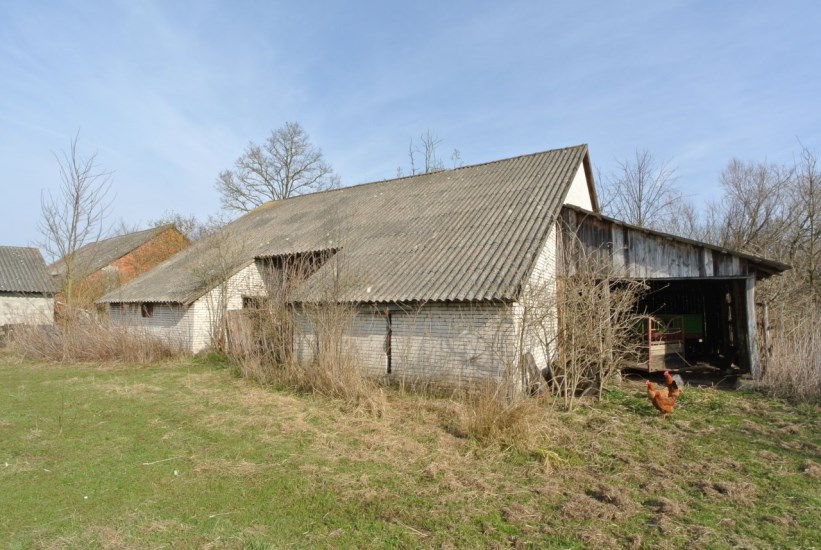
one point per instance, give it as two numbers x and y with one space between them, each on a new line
805 193
642 191
286 165
753 215
76 214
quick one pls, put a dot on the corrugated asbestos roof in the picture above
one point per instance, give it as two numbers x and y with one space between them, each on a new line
22 269
95 256
467 234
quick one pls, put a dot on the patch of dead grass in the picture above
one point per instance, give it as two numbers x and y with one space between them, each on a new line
598 506
669 507
239 468
811 469
130 389
738 492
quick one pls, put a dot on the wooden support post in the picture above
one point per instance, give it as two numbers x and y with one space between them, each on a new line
752 329
765 328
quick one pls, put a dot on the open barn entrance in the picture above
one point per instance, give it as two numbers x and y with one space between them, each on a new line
703 320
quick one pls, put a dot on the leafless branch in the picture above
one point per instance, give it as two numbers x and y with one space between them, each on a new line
286 165
76 214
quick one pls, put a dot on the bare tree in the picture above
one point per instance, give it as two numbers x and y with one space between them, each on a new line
426 152
189 225
76 214
286 165
805 246
686 222
642 191
753 214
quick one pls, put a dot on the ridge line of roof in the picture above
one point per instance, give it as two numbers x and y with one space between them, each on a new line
20 247
356 185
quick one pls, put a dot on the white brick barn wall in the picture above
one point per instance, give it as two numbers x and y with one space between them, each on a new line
26 309
536 312
191 327
364 338
452 343
169 322
445 343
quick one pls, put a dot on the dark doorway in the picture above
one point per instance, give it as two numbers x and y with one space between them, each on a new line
711 313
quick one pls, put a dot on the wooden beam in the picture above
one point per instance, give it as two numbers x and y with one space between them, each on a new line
752 328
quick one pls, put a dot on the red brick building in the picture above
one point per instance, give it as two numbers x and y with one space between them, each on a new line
105 265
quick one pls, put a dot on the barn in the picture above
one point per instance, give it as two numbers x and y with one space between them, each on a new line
435 265
26 289
103 265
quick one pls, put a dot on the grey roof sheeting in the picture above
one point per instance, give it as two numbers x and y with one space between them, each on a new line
95 256
22 269
466 234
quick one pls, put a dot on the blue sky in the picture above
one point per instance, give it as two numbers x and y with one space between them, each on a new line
169 93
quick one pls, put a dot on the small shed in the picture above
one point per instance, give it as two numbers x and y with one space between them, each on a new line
26 289
703 295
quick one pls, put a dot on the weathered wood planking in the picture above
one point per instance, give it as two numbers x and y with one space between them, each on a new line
643 254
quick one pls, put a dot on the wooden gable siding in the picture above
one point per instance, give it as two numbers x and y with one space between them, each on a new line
641 254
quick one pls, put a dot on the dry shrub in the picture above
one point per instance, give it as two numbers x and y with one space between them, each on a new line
340 377
90 340
494 416
595 308
794 369
334 369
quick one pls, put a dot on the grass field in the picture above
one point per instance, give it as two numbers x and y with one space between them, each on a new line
187 455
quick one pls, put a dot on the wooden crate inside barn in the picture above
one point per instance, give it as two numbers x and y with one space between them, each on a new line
663 342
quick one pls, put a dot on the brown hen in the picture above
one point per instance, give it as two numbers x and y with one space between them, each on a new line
661 399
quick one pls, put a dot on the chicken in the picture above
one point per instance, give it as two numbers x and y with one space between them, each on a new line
671 386
661 399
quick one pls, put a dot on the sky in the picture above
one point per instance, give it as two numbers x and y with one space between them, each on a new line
168 94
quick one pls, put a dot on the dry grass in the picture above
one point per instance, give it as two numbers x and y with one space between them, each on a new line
794 370
490 415
216 461
83 340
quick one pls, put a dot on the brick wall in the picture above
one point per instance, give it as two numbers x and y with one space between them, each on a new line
443 343
149 254
191 327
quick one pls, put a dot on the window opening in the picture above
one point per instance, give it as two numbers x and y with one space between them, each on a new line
146 310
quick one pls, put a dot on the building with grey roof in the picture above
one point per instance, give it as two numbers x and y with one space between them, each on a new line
437 266
26 289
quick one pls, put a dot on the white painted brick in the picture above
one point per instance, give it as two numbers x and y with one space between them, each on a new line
26 309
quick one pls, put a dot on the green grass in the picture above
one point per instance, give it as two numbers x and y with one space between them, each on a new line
187 455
